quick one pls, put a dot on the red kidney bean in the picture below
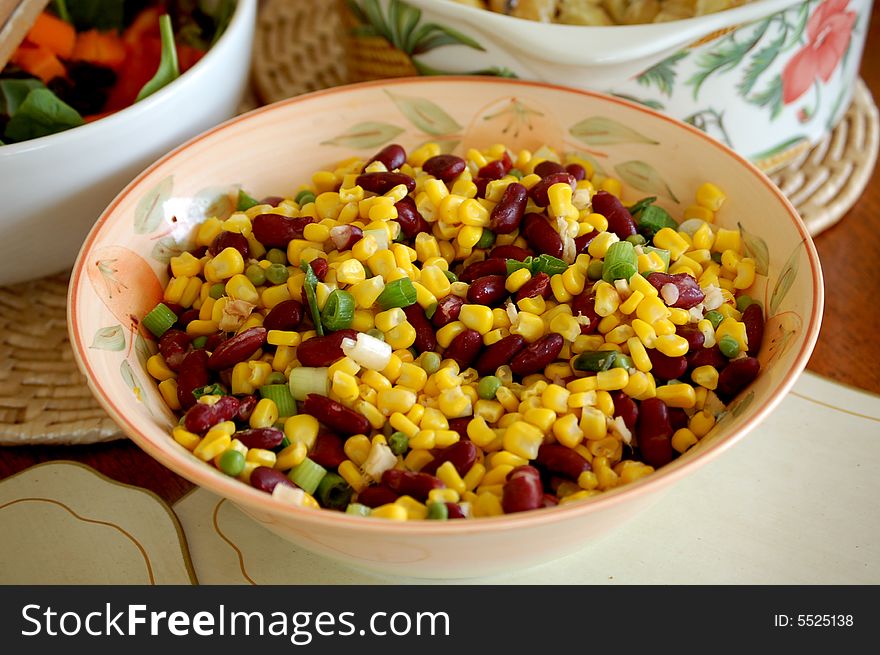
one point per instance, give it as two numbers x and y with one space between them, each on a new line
538 192
271 200
522 491
550 500
345 236
323 351
201 417
448 309
238 348
541 236
561 460
407 483
491 266
736 376
509 252
693 335
214 340
454 511
464 348
328 451
383 182
654 432
335 416
173 306
707 357
536 356
392 155
576 171
620 221
548 167
583 242
537 286
246 406
377 495
425 339
585 305
689 292
267 438
173 347
444 167
481 183
626 408
499 353
186 317
678 418
666 367
753 318
192 374
226 240
276 231
508 213
286 315
410 219
487 290
460 425
266 479
320 266
462 454
494 170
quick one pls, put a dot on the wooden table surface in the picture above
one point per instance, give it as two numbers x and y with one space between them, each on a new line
847 350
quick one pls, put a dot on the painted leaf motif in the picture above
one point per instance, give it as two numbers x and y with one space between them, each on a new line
743 404
425 115
109 338
757 249
644 177
218 202
150 209
144 349
786 279
600 131
369 134
130 380
165 249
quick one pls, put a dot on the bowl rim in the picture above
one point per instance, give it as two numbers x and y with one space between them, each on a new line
205 476
238 22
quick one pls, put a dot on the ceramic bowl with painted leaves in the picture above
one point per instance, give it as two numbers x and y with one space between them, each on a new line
123 267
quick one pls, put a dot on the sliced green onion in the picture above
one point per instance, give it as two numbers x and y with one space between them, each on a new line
309 379
487 239
663 254
304 197
231 462
431 310
367 351
159 320
598 360
338 311
636 239
653 219
367 272
488 387
276 256
357 509
277 274
310 284
280 394
399 293
199 342
714 318
514 265
307 475
623 361
209 390
452 277
515 172
398 442
285 442
621 262
548 264
640 206
728 346
275 377
217 291
438 512
594 270
333 492
245 201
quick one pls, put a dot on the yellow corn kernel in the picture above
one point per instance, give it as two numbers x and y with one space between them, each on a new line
541 417
214 443
397 399
517 279
745 273
185 438
479 432
400 422
555 398
638 354
631 304
265 414
529 326
434 280
446 378
224 265
604 448
639 283
599 246
497 475
574 280
476 317
401 337
612 186
186 265
593 424
523 439
701 423
534 305
415 511
208 231
290 456
357 448
677 395
683 439
301 428
566 326
350 473
416 459
612 379
705 376
727 240
157 367
558 288
345 386
450 477
487 504
710 196
567 431
454 403
433 419
424 440
240 288
412 377
730 327
671 345
607 299
261 457
390 511
670 240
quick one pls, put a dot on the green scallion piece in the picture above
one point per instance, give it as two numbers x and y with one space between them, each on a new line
357 509
310 284
399 293
640 206
636 239
159 320
513 265
652 219
275 377
597 360
209 390
338 311
245 201
515 172
285 442
487 239
548 264
199 342
280 394
309 379
662 253
432 309
438 512
333 492
304 197
398 442
621 262
623 361
452 277
307 475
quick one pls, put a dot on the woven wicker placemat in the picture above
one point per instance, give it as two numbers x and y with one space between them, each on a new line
43 396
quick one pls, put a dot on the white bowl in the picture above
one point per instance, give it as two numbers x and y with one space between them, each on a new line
55 187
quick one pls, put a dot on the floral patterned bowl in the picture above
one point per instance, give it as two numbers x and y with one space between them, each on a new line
120 271
768 78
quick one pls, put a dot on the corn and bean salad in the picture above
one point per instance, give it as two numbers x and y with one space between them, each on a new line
428 336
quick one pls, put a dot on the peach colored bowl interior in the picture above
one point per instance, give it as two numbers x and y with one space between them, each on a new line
273 150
